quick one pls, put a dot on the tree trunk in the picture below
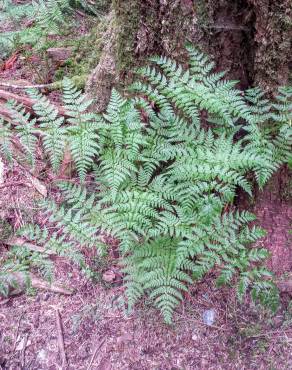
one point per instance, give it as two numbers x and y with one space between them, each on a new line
251 39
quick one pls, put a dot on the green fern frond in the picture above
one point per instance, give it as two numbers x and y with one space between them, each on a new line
5 140
25 130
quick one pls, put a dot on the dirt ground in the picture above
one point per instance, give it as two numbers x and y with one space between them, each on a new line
98 334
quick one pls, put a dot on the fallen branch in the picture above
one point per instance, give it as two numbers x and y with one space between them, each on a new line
20 87
27 102
23 351
61 340
14 183
19 283
6 95
3 301
94 354
19 242
4 112
79 81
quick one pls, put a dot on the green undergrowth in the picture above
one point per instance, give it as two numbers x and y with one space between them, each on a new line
53 25
163 179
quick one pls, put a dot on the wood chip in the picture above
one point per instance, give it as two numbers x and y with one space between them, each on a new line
39 186
61 344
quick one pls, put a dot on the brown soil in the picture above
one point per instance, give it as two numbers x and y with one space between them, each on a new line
273 208
238 340
242 337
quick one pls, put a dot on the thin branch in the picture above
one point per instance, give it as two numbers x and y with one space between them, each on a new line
19 242
38 86
27 102
21 279
94 353
61 340
14 183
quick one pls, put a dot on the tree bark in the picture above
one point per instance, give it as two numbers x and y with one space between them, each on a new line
251 39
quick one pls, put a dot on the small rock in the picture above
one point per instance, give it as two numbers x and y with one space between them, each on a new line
209 317
59 54
125 338
109 276
195 337
42 355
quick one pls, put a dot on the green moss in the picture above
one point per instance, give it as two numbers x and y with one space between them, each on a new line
86 52
5 230
250 330
202 12
127 17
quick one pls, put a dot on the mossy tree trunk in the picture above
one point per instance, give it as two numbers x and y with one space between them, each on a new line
249 38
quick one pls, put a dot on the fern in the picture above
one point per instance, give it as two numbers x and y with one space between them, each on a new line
82 133
164 185
50 14
49 130
51 126
5 140
25 130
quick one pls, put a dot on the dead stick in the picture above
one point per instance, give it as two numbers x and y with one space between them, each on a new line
6 95
14 183
19 283
23 352
94 354
19 242
4 301
39 86
17 331
61 340
4 112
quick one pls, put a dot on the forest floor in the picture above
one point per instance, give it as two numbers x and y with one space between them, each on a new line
97 331
98 334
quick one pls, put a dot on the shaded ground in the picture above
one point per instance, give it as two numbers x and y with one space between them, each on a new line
238 339
242 336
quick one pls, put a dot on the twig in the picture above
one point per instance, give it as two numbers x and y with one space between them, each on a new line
228 27
270 333
23 352
80 13
27 102
38 86
20 278
4 301
61 340
94 354
13 183
4 112
17 331
19 242
6 95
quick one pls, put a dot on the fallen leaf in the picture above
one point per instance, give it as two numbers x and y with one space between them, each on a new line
39 186
109 276
22 344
